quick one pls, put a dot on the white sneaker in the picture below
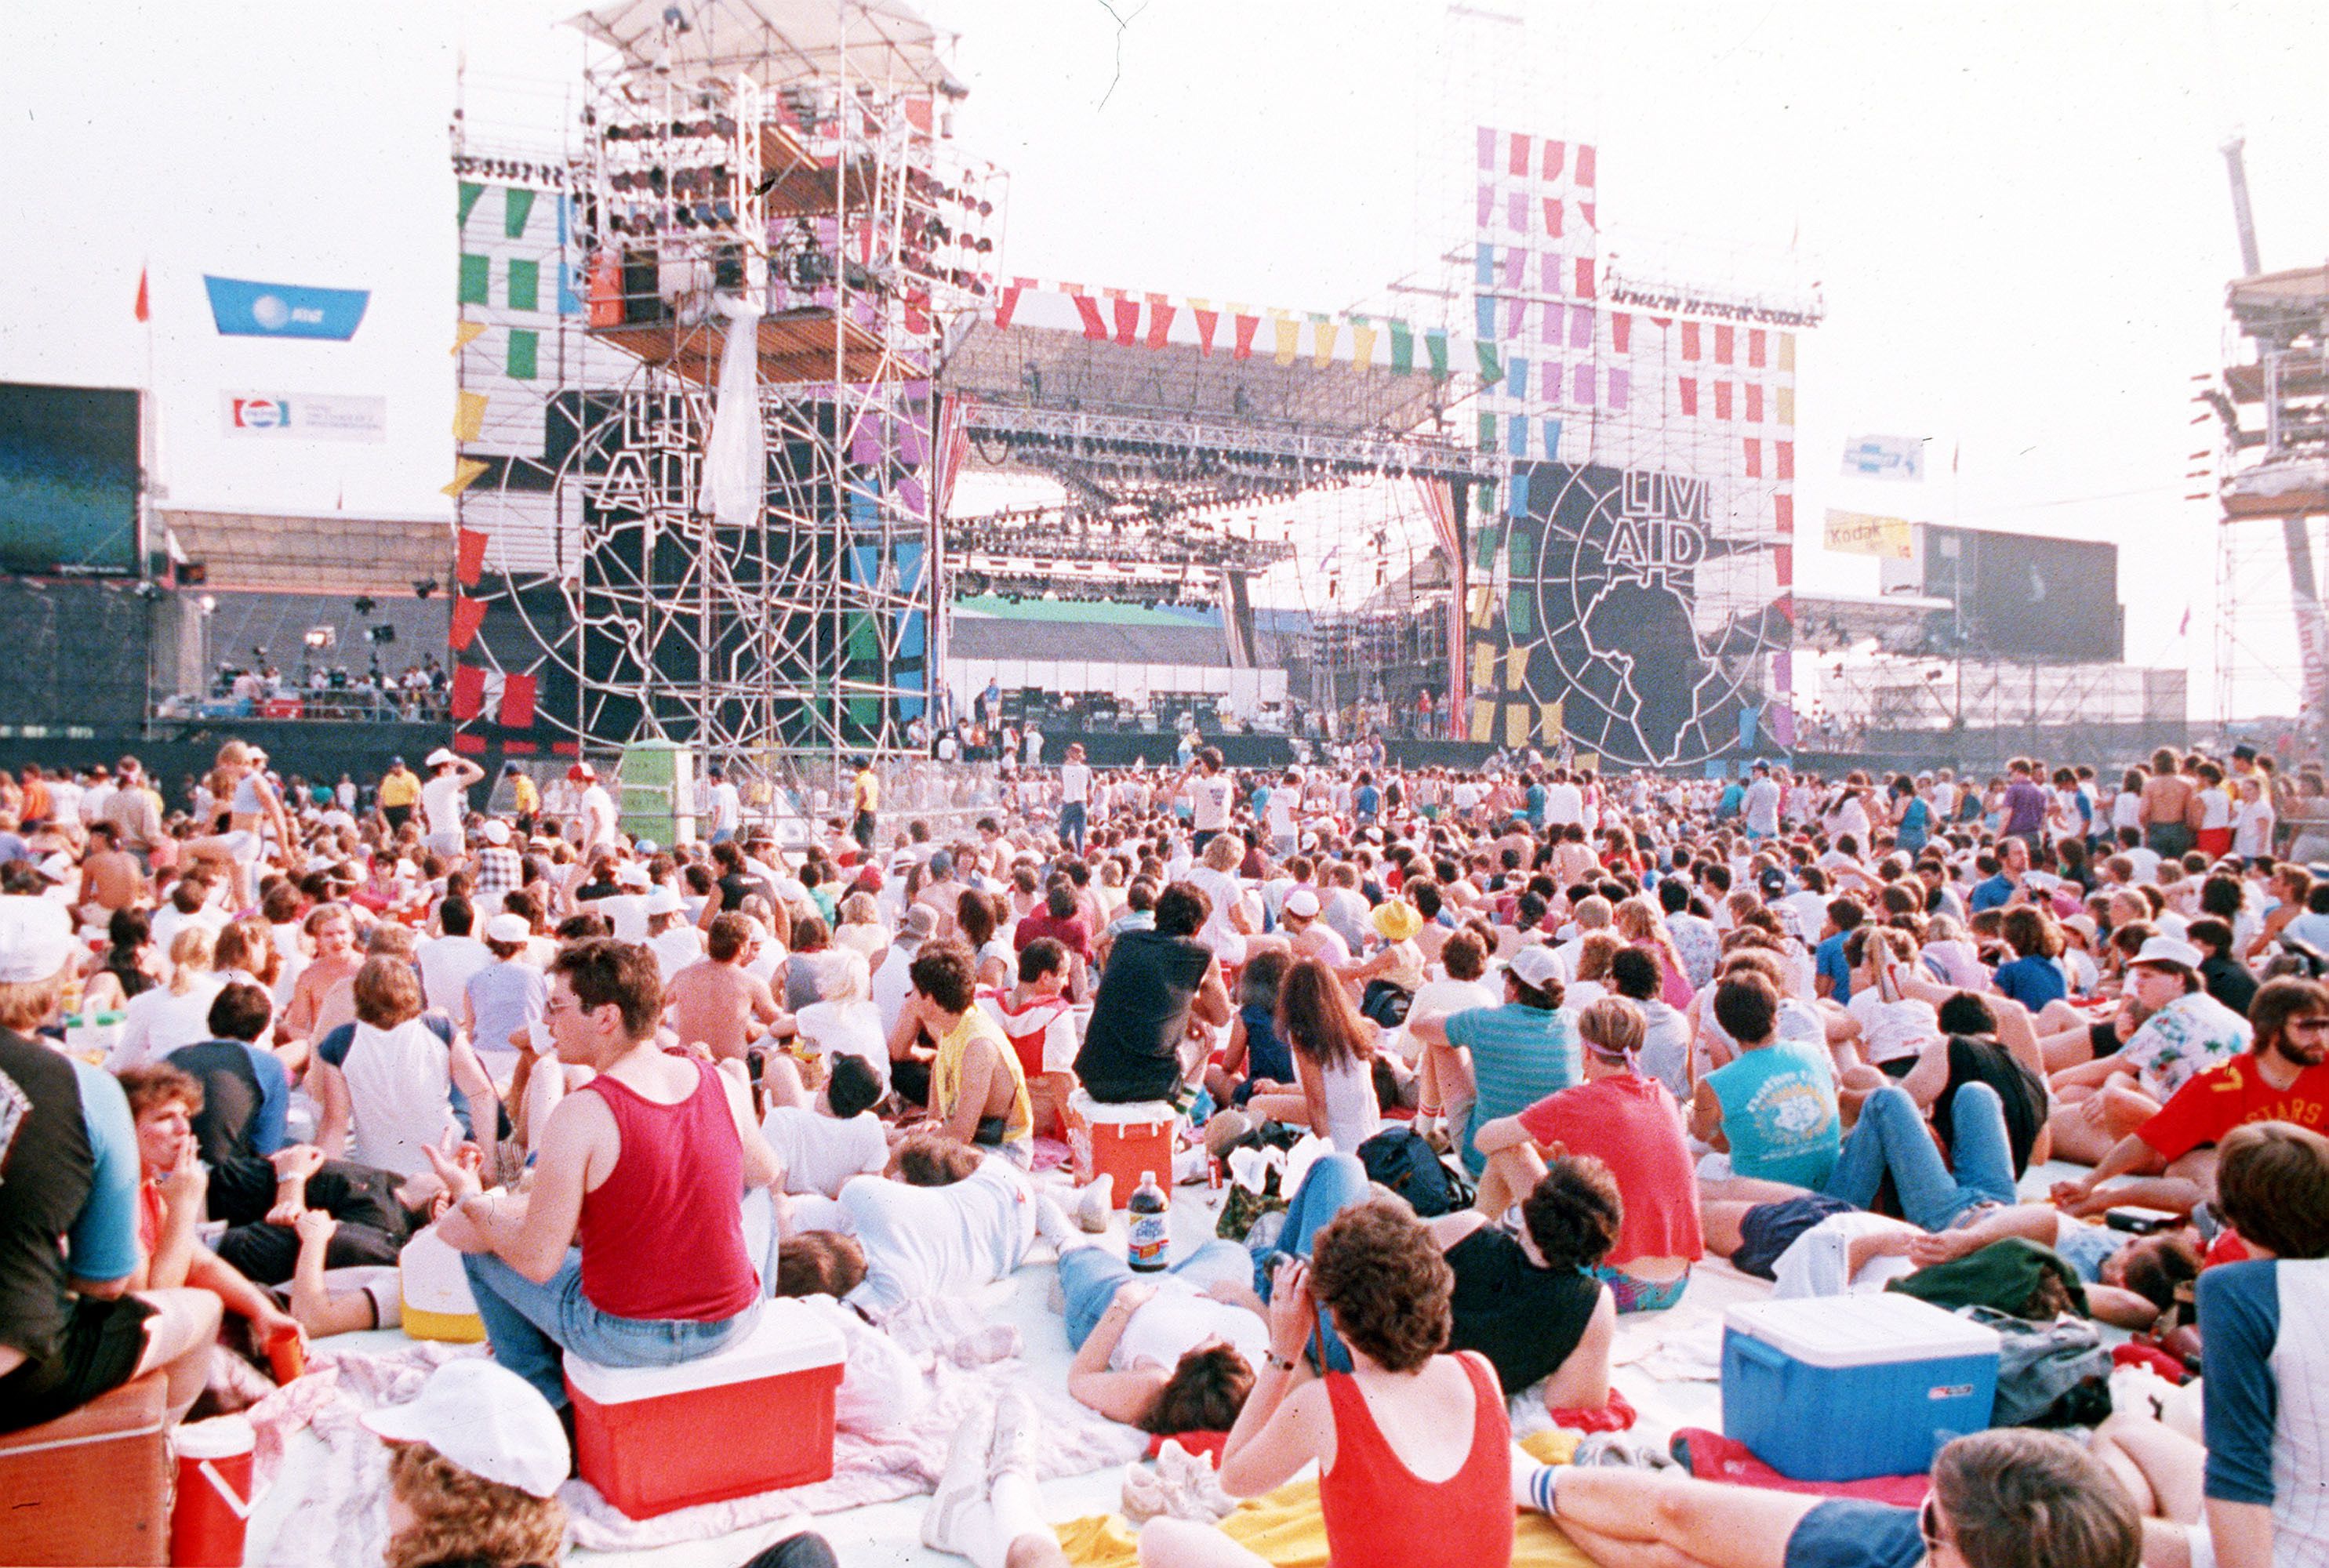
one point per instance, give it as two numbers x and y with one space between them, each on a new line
1095 1204
1013 1446
963 1485
1051 1222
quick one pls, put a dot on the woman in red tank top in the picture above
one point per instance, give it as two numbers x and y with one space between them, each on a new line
1440 1497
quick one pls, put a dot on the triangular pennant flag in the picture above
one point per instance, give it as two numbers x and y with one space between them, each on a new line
468 556
1322 347
469 194
1245 327
469 417
465 473
1208 320
466 333
142 310
1095 325
1362 345
1161 312
1009 303
1288 334
1127 321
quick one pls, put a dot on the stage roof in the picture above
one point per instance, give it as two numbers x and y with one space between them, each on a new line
779 42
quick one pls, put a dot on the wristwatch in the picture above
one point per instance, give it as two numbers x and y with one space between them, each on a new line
1282 1363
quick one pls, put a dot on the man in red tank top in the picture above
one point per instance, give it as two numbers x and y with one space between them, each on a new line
643 1166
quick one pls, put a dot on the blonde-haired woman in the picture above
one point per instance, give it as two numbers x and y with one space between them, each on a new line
254 812
1639 922
158 1021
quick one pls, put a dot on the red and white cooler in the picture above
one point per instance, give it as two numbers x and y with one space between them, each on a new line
755 1417
1119 1140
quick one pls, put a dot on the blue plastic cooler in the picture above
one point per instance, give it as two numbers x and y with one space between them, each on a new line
1840 1388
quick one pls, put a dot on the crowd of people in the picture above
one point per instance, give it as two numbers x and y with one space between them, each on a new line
1822 1028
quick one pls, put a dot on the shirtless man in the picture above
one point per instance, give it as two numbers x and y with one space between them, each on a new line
111 877
334 932
715 1002
943 894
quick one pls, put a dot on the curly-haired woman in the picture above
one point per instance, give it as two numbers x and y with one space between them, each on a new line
1413 1446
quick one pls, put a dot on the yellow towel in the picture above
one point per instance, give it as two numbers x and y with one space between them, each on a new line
1287 1528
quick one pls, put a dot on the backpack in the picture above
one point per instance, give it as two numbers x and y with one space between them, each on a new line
2053 1374
1398 1159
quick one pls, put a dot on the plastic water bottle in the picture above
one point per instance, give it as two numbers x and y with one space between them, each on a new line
1148 1228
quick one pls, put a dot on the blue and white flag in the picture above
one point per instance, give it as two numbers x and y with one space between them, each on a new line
284 310
1884 457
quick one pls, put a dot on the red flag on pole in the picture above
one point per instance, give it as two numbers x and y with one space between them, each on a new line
143 311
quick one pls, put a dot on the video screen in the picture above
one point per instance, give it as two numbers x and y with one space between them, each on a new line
2022 596
68 480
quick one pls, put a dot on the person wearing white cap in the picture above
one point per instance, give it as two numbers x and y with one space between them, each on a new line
2186 1032
1518 1053
475 1465
499 869
70 1328
445 799
503 1001
674 943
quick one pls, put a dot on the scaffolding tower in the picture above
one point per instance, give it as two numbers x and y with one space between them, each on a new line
764 241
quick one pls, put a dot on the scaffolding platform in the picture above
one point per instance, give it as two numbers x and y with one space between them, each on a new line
795 346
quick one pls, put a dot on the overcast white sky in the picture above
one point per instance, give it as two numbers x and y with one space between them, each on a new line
2017 211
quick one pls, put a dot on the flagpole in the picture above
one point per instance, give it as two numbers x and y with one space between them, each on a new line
148 460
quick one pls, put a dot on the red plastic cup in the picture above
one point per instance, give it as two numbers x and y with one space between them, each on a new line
287 1356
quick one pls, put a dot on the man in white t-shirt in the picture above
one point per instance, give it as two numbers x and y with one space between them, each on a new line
1278 813
1564 802
1761 808
1075 797
447 962
726 806
597 806
821 1152
951 1222
445 799
1209 788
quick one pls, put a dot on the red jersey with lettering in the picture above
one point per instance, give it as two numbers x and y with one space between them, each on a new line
2232 1095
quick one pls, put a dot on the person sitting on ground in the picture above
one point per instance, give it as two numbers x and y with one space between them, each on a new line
500 1005
2262 1357
1493 1062
391 1076
843 1022
242 1106
475 1462
2186 1032
1036 1018
820 1151
645 1163
1333 1056
2172 1156
976 1093
71 1328
2032 978
1534 1301
2013 1497
162 1102
1255 1060
1136 1045
1632 1125
1774 1107
716 1002
158 1021
1413 1446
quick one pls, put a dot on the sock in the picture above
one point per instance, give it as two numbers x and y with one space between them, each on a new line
1533 1488
1051 1221
1011 1500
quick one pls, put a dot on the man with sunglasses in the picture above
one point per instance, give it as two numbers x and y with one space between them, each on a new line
2013 1497
2284 1076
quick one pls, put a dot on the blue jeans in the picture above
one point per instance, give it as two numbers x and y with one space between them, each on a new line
1333 1184
528 1325
1071 824
1891 1135
1089 1278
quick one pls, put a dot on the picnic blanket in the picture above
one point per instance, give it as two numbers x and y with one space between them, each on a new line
1287 1528
1716 1458
340 1511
